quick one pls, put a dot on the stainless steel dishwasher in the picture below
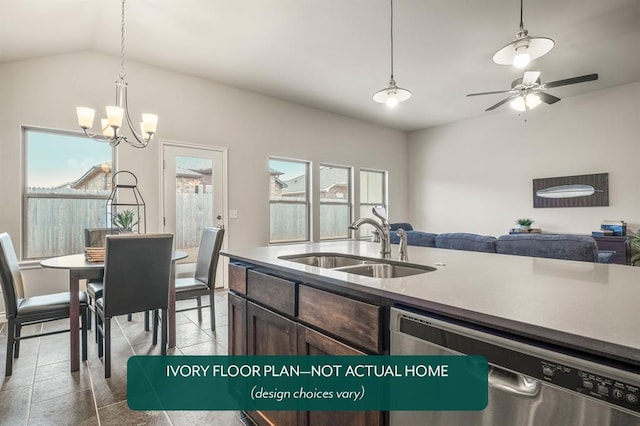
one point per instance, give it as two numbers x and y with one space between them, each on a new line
529 383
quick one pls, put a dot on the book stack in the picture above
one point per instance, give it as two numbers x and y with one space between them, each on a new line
617 227
94 254
602 233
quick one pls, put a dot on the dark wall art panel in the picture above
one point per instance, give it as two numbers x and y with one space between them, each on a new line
572 191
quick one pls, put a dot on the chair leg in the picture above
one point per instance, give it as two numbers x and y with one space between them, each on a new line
146 320
10 344
212 309
163 350
90 301
97 319
155 327
100 336
107 348
85 324
129 317
199 301
16 342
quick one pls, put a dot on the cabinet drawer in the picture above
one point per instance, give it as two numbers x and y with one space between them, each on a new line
276 293
237 278
355 321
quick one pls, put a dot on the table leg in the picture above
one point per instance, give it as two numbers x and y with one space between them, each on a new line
74 322
171 311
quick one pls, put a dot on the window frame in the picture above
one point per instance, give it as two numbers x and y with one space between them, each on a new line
350 201
307 202
26 195
385 195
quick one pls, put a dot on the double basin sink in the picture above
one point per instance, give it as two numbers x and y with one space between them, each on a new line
359 265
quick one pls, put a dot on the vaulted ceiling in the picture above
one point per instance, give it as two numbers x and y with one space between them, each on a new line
334 54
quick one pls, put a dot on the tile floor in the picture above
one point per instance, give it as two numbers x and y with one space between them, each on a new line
42 390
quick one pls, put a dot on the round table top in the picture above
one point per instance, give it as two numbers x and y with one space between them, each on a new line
79 261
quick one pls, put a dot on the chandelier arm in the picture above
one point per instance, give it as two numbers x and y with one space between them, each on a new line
141 141
102 138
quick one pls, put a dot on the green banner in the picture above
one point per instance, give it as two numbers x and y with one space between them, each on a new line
302 383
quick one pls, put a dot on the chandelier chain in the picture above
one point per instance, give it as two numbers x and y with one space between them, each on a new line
122 42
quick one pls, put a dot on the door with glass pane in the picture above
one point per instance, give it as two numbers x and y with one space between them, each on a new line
194 181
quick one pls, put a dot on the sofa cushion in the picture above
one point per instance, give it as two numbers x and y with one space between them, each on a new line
416 238
555 246
465 241
405 226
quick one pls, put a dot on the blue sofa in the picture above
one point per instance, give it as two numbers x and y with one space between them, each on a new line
555 246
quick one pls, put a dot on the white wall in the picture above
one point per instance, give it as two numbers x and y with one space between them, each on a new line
476 175
44 92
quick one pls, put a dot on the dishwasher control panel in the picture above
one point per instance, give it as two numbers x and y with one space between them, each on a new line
604 388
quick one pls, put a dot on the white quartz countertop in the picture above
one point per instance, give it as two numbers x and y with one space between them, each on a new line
587 306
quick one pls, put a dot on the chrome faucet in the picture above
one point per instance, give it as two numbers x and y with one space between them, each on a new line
403 244
383 229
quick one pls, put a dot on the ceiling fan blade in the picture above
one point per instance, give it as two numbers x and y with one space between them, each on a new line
547 98
574 80
502 102
489 93
530 78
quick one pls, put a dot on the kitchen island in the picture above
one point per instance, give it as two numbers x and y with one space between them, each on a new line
279 306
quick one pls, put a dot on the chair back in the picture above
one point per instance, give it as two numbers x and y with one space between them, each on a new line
10 276
136 273
208 255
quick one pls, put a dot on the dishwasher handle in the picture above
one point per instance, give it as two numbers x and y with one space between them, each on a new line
513 383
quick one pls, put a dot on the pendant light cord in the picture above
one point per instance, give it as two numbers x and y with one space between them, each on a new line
122 42
391 39
521 24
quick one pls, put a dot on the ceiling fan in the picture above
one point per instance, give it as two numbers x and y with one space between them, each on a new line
527 92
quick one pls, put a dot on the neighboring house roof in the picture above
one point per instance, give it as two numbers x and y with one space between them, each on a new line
188 173
329 176
275 173
102 168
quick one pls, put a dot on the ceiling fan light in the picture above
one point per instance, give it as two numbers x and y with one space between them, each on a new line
518 104
532 100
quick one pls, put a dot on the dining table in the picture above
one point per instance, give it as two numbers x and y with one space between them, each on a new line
81 269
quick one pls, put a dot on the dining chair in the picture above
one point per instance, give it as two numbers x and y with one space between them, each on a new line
137 271
95 237
21 311
203 282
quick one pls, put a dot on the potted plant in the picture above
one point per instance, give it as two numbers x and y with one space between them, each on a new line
125 220
525 223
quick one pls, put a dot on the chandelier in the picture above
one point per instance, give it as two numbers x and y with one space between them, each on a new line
112 125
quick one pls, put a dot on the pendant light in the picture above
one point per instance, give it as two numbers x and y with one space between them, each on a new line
523 49
391 95
113 124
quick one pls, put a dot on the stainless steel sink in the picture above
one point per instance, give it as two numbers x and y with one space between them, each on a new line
386 270
329 260
359 265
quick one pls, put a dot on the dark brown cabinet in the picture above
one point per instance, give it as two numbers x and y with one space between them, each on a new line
619 244
311 342
266 316
271 334
237 315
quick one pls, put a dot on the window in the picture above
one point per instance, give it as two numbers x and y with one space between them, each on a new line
288 200
335 201
67 180
373 193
